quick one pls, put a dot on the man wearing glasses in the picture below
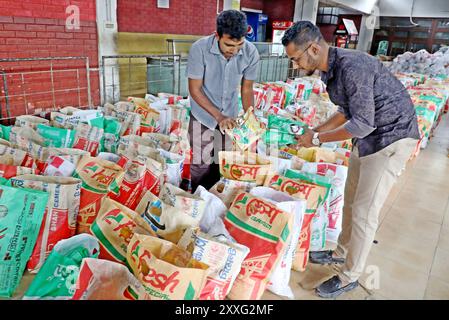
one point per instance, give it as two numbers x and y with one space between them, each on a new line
217 66
375 110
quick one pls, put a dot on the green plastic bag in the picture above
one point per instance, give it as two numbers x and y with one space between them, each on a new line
56 137
57 277
111 137
98 122
5 131
21 214
275 137
285 125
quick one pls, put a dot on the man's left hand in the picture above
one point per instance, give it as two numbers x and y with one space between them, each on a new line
305 140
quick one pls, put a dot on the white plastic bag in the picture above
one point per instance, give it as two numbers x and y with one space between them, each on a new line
212 220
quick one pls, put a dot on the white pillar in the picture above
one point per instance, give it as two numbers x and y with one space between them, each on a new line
366 33
107 30
306 10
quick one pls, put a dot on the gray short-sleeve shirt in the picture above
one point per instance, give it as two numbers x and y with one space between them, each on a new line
221 77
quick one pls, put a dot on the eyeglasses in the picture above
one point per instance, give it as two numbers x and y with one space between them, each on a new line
297 59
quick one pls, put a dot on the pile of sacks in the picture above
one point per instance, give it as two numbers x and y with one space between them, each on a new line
303 98
430 96
423 62
91 204
410 79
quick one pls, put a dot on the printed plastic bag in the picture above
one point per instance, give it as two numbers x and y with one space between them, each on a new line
187 203
98 177
21 213
61 161
265 230
88 138
4 132
114 228
166 271
338 175
315 196
106 280
227 189
247 132
15 157
130 121
142 174
111 137
316 235
280 278
223 257
285 125
56 280
175 166
166 221
56 137
10 171
59 221
248 167
30 121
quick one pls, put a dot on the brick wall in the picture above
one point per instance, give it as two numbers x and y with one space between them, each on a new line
37 29
193 17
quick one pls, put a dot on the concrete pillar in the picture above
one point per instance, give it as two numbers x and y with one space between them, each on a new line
306 10
107 33
366 33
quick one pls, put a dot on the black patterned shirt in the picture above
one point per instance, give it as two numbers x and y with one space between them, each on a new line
378 107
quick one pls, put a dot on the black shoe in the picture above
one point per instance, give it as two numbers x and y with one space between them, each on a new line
324 257
332 288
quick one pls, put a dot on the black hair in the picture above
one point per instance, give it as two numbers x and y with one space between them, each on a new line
301 33
232 22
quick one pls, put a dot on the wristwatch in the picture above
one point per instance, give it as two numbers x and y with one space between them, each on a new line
315 139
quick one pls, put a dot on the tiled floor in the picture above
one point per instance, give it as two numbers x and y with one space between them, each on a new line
412 253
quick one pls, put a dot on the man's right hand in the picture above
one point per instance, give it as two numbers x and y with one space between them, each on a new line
225 123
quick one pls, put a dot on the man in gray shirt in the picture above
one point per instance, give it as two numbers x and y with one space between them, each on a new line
217 66
376 111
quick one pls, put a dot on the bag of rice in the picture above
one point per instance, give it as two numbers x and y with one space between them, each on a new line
98 178
265 230
21 213
114 227
106 280
166 271
280 279
59 221
56 280
314 195
223 257
10 171
227 189
30 121
248 167
165 220
338 175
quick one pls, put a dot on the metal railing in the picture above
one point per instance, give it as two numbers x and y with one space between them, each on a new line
36 85
135 75
274 64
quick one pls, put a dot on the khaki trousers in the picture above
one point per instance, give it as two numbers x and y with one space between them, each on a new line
369 182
